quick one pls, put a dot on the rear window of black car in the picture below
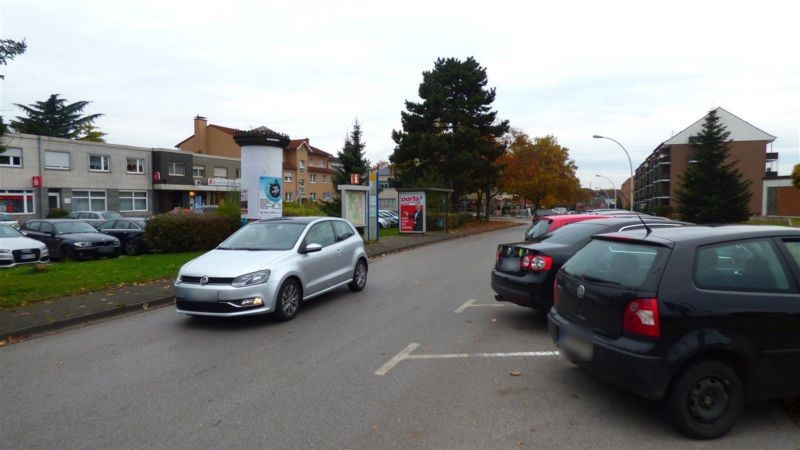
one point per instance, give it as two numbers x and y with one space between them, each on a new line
623 264
572 233
538 229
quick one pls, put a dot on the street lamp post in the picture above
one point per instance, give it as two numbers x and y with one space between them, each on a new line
616 205
630 163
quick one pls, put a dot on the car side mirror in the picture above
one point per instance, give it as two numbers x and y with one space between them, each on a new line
311 248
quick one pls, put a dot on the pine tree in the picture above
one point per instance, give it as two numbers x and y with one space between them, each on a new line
711 190
8 50
452 136
54 117
352 158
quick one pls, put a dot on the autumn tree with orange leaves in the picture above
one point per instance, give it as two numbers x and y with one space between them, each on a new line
540 170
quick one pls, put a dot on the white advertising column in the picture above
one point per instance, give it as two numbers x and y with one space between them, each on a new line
262 173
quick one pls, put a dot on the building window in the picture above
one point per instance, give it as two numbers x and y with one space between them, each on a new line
135 165
324 179
88 200
314 178
12 157
133 200
56 160
99 163
237 173
302 182
16 202
326 196
177 169
288 177
302 167
320 163
199 171
314 196
220 172
288 196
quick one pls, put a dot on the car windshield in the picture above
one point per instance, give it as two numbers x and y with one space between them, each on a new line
73 227
6 217
264 236
8 232
112 215
615 263
538 229
572 233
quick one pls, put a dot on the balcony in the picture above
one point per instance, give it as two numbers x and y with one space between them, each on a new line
772 156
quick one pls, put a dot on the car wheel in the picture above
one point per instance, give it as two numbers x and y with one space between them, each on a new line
67 254
288 300
359 276
706 399
131 247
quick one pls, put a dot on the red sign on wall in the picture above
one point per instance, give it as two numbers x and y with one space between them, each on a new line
37 182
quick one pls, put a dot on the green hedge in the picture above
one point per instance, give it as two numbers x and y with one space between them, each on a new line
292 209
435 220
188 232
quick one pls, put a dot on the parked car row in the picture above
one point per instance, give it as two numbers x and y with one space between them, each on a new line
702 319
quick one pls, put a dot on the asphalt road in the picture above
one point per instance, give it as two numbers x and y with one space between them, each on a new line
159 379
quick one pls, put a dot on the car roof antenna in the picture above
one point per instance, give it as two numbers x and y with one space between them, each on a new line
647 229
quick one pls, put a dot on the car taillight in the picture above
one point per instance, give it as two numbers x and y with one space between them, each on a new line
535 262
497 256
641 317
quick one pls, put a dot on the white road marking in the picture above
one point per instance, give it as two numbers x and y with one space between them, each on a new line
397 358
471 304
406 354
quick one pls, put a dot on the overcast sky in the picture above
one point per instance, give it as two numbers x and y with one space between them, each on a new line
636 71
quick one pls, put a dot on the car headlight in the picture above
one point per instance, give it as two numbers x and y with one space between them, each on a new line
251 279
44 252
116 243
83 244
179 279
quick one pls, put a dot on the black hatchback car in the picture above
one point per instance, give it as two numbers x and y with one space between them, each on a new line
71 239
524 271
703 318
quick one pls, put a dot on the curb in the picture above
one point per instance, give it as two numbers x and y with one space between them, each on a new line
77 320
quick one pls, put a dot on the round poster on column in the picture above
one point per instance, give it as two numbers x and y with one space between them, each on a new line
269 197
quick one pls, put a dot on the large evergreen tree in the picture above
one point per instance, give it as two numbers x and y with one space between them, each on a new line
452 138
54 117
711 190
352 158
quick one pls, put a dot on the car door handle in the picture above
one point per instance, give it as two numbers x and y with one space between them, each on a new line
339 251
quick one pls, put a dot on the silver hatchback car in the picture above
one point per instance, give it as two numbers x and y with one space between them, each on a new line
271 266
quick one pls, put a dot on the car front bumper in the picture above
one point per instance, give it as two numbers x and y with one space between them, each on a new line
622 362
224 300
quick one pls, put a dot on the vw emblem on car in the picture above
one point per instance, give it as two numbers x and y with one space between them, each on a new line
581 291
204 280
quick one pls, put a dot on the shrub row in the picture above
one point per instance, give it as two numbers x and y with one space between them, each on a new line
188 232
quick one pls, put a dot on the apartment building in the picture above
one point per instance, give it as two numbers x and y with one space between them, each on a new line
40 173
657 179
307 170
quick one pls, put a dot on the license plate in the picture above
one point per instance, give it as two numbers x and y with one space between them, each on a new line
576 347
27 256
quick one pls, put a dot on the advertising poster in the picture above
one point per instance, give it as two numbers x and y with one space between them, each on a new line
356 207
412 212
269 197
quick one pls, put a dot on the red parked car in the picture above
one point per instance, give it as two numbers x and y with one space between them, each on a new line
548 224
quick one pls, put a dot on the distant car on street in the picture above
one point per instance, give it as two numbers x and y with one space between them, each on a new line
16 249
130 233
94 218
271 266
207 209
72 239
700 318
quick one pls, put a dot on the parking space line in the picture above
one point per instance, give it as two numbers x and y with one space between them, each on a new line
471 304
397 358
406 353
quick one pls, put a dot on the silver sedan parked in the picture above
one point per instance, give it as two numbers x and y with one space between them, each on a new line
271 266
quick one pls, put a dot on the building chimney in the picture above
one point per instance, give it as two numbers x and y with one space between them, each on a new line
200 134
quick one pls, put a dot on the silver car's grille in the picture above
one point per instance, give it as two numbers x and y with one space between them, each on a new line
211 280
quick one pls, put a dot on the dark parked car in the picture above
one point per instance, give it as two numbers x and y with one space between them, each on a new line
129 232
72 239
524 271
702 318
